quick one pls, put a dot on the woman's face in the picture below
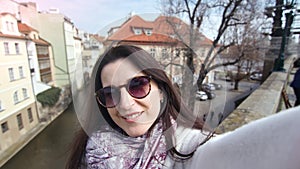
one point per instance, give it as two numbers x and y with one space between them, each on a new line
134 116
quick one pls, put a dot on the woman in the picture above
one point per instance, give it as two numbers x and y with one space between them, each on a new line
139 121
142 113
295 84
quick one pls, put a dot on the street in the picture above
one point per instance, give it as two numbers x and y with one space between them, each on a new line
224 103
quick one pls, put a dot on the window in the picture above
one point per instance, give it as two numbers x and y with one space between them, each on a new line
202 52
152 52
7 25
20 121
29 112
16 98
4 127
164 54
12 26
21 73
85 63
17 48
44 64
6 48
1 107
11 74
148 31
177 53
25 95
137 31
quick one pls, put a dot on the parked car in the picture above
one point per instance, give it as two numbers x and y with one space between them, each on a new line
217 86
257 76
201 95
208 86
210 94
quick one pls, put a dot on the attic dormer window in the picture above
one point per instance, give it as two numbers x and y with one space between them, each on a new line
137 31
148 31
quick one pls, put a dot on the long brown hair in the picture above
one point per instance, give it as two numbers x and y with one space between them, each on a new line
149 66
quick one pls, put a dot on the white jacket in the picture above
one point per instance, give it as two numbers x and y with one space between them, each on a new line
272 142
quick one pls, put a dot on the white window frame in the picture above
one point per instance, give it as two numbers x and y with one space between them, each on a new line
7 26
148 32
12 25
6 48
16 98
11 74
25 93
164 53
21 72
137 31
20 121
4 127
17 47
30 116
153 52
1 106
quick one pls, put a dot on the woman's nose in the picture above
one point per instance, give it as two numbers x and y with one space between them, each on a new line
126 101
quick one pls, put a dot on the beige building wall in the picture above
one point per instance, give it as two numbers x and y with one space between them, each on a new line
17 102
166 54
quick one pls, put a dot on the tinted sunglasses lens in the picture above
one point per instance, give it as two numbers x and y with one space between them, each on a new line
139 87
109 97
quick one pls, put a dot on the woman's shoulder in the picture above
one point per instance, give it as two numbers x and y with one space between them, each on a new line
265 143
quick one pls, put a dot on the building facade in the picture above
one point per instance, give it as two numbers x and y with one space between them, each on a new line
167 39
18 112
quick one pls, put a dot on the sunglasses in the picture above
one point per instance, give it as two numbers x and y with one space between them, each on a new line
138 87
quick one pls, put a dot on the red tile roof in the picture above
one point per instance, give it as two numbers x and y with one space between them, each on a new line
41 42
98 38
125 30
23 28
160 26
155 38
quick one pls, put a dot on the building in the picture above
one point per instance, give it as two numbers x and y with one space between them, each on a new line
165 38
18 113
139 32
40 58
59 32
33 57
93 47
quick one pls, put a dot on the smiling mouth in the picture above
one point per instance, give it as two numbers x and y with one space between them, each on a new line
132 116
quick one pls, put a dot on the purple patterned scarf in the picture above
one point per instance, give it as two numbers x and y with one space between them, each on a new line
108 149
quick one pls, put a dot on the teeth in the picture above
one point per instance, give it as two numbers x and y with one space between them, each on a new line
133 116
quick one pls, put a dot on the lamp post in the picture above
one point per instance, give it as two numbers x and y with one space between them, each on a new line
279 62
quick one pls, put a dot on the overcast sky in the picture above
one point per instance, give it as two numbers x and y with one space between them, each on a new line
93 15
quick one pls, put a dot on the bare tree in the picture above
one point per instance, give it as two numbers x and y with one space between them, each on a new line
248 39
194 11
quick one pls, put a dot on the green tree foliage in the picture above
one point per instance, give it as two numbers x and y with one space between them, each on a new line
49 97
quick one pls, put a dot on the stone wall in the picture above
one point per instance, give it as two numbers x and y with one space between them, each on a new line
47 113
264 101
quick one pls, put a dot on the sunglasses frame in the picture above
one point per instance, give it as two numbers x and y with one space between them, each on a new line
127 85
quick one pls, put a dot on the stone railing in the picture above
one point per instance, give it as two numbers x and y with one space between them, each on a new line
264 101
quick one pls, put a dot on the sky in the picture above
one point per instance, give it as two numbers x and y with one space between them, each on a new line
93 16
